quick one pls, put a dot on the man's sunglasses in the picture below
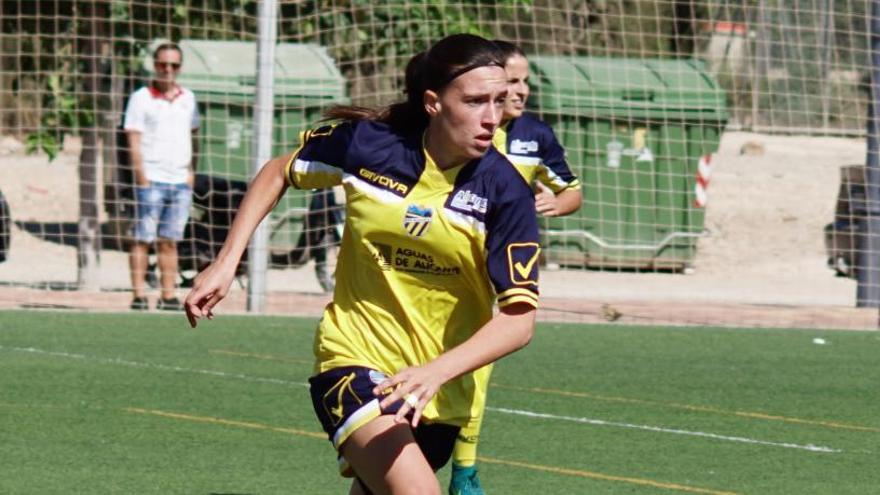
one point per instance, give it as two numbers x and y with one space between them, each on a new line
166 65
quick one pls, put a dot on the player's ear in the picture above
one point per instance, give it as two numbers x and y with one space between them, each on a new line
432 103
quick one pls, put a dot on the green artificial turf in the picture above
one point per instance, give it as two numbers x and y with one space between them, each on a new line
141 403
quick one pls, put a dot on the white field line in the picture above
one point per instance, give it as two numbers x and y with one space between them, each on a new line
531 414
163 367
599 422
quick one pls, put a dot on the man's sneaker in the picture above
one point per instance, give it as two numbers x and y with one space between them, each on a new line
464 481
139 304
172 304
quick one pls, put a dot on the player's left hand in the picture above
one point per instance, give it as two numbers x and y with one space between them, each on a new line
545 201
415 386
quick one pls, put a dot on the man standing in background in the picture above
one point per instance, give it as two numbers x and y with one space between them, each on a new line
161 124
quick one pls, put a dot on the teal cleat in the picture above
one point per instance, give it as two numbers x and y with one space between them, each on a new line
465 481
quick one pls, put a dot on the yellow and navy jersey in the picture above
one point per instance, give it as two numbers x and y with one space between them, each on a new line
532 147
425 252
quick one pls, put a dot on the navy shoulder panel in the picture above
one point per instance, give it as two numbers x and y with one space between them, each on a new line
496 177
381 154
529 126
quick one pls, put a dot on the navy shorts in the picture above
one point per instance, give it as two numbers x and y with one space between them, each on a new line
344 401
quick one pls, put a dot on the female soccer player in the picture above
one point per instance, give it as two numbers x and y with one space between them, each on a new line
532 147
438 227
531 144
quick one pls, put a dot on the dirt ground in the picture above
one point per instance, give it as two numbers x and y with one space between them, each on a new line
763 262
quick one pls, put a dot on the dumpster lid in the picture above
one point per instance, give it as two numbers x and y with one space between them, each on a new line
620 87
229 68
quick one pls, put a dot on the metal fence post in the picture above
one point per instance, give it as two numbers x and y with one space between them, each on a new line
264 108
868 292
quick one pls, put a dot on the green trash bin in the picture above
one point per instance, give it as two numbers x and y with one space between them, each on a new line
635 132
222 74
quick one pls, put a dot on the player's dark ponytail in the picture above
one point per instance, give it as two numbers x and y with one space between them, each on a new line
410 113
431 70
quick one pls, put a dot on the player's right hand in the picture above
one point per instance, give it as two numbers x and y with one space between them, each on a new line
209 288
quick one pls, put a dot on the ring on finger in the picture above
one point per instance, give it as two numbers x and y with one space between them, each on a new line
411 400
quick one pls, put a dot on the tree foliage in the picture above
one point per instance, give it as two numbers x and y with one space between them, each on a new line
371 41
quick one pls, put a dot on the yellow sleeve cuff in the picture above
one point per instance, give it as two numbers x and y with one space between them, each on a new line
517 295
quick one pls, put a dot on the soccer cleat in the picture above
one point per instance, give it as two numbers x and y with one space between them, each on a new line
139 304
465 481
172 304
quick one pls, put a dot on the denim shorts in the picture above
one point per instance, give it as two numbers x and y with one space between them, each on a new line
162 211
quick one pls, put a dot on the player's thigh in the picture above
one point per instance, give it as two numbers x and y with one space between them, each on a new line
385 456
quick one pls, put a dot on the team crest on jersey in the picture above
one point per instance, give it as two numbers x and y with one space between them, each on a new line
417 220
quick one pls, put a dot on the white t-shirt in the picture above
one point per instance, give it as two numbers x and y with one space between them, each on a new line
166 126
